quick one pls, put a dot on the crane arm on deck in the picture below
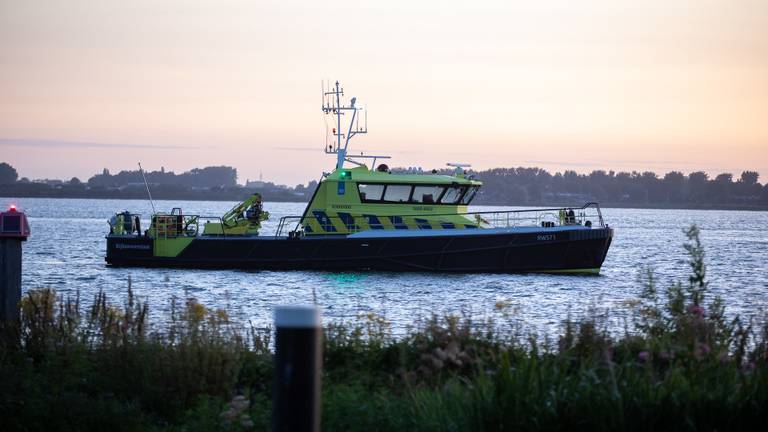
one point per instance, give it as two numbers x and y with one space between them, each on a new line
249 209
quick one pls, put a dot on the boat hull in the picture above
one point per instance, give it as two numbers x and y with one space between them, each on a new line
565 251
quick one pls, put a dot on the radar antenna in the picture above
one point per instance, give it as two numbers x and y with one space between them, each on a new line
458 167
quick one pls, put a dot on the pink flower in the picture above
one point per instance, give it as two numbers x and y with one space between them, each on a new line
696 310
644 356
702 350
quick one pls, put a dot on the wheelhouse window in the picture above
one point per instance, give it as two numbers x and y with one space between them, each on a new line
452 195
413 194
370 192
427 194
397 193
470 195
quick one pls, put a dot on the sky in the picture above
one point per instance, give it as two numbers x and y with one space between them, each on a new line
655 85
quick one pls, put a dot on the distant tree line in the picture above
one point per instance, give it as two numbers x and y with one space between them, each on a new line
502 186
537 186
214 176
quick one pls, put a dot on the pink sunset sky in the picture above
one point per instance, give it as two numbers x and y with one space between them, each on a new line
624 85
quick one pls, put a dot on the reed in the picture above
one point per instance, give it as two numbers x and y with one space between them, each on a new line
679 363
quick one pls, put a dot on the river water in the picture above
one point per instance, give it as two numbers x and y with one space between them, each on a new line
66 252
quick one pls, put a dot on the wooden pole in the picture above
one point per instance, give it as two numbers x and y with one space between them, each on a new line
298 358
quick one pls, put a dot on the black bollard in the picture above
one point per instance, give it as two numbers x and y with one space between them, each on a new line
14 229
298 358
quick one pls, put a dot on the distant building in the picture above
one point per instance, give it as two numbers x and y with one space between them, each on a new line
135 185
49 182
256 184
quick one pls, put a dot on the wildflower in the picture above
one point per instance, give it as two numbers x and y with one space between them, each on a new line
437 363
239 403
452 353
440 354
644 356
696 311
246 422
195 312
236 409
702 350
222 316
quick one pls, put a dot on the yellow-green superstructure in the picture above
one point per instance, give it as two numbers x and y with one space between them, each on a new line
357 199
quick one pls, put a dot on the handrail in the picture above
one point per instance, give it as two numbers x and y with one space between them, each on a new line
219 218
187 220
542 213
164 225
284 220
502 218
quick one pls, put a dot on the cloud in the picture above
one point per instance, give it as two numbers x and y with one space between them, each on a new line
24 142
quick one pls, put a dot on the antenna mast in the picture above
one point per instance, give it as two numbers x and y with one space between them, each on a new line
332 104
147 185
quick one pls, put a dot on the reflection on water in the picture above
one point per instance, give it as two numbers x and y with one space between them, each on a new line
350 281
66 252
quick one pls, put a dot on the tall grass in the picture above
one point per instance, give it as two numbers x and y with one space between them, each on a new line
680 363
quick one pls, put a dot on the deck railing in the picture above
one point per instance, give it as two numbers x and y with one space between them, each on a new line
590 212
166 226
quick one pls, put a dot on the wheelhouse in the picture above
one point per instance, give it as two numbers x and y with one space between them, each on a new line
356 199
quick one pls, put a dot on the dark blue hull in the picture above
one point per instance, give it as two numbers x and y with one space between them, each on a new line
544 250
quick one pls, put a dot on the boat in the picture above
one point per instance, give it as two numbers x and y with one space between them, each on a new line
364 216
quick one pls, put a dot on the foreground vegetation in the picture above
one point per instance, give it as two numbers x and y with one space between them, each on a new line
679 364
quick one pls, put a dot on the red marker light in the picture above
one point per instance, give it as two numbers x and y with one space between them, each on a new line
13 207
